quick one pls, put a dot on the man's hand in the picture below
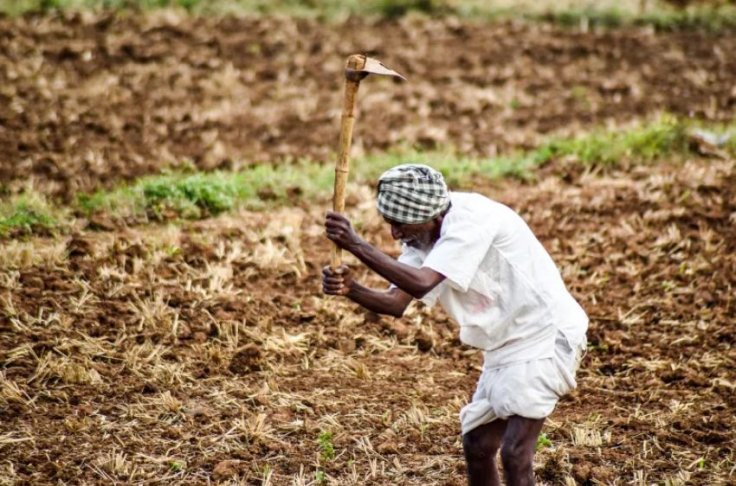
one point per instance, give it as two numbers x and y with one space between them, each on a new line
340 231
337 282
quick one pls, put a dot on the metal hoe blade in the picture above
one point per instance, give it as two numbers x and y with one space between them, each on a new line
359 66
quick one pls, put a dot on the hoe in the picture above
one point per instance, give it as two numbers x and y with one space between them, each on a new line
357 68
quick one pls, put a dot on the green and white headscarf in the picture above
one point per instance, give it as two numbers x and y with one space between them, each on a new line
412 194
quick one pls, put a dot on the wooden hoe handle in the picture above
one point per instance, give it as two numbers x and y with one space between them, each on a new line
352 82
357 67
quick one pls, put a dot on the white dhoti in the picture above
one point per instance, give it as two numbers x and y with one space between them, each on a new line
528 389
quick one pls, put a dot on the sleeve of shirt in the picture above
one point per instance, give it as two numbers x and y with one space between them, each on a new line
410 256
459 252
415 258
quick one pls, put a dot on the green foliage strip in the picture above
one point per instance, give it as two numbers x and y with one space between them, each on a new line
198 194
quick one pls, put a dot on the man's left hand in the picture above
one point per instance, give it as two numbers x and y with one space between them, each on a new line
337 281
340 231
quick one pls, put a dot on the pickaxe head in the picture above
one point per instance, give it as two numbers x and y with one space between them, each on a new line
359 66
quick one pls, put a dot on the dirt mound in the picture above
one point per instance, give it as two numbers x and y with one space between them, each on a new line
87 101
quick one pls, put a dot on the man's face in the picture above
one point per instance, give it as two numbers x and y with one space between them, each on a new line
421 235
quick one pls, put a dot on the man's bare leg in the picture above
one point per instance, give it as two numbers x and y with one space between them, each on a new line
481 445
517 450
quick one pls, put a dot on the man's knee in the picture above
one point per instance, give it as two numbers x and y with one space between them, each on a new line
478 444
517 455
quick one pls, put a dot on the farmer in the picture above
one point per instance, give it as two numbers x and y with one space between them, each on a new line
480 260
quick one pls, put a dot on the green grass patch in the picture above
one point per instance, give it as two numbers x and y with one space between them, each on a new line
662 138
604 13
198 195
28 213
707 18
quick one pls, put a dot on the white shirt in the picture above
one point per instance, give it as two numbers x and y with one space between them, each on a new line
501 285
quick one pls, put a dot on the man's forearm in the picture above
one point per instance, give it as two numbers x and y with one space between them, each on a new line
414 281
390 302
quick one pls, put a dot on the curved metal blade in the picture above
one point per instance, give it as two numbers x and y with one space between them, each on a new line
359 66
374 66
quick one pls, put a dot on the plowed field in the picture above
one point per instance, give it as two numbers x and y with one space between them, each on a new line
206 352
88 100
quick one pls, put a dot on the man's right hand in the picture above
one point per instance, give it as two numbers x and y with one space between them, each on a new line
337 281
341 232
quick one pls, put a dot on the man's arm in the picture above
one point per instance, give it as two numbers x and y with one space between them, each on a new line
393 301
414 281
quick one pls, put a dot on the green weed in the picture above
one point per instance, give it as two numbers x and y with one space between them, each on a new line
326 448
543 442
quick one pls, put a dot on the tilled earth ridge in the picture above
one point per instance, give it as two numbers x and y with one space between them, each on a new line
90 100
184 355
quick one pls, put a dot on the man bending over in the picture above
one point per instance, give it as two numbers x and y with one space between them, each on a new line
480 260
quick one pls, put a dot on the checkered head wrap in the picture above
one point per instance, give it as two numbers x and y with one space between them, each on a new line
412 193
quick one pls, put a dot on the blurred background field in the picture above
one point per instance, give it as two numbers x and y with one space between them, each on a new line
662 13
